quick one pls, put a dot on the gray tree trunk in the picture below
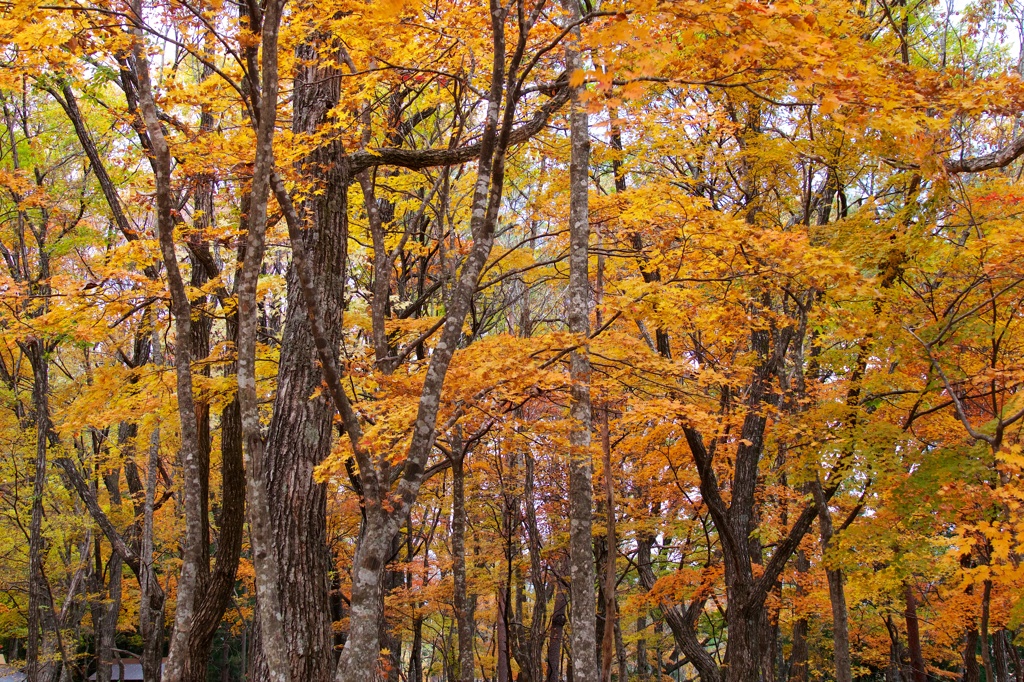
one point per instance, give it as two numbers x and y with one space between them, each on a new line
582 571
189 457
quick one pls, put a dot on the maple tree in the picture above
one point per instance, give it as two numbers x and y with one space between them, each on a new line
511 340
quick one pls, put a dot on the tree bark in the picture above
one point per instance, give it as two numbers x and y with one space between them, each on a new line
385 509
274 647
836 591
986 651
972 673
35 669
610 619
463 607
1000 656
181 309
798 659
554 671
917 665
582 570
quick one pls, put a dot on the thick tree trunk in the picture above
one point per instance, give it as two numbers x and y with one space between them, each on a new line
743 658
359 659
972 673
300 434
1000 656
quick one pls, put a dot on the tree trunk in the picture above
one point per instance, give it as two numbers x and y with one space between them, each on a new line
894 672
188 455
554 672
392 580
798 659
1000 656
643 667
463 608
986 651
972 673
1018 673
836 592
581 555
416 651
504 669
359 659
151 606
914 636
37 598
610 619
300 434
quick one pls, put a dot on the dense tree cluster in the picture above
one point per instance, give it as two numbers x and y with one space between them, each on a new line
512 340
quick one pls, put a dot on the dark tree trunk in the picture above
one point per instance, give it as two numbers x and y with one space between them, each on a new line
917 665
37 597
463 606
1000 656
389 640
554 671
416 651
986 651
972 673
798 659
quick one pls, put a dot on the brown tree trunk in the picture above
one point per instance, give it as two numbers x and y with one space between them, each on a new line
300 435
986 651
972 673
798 659
107 608
1000 656
917 665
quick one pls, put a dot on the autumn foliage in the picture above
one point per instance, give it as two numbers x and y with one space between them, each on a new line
523 340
